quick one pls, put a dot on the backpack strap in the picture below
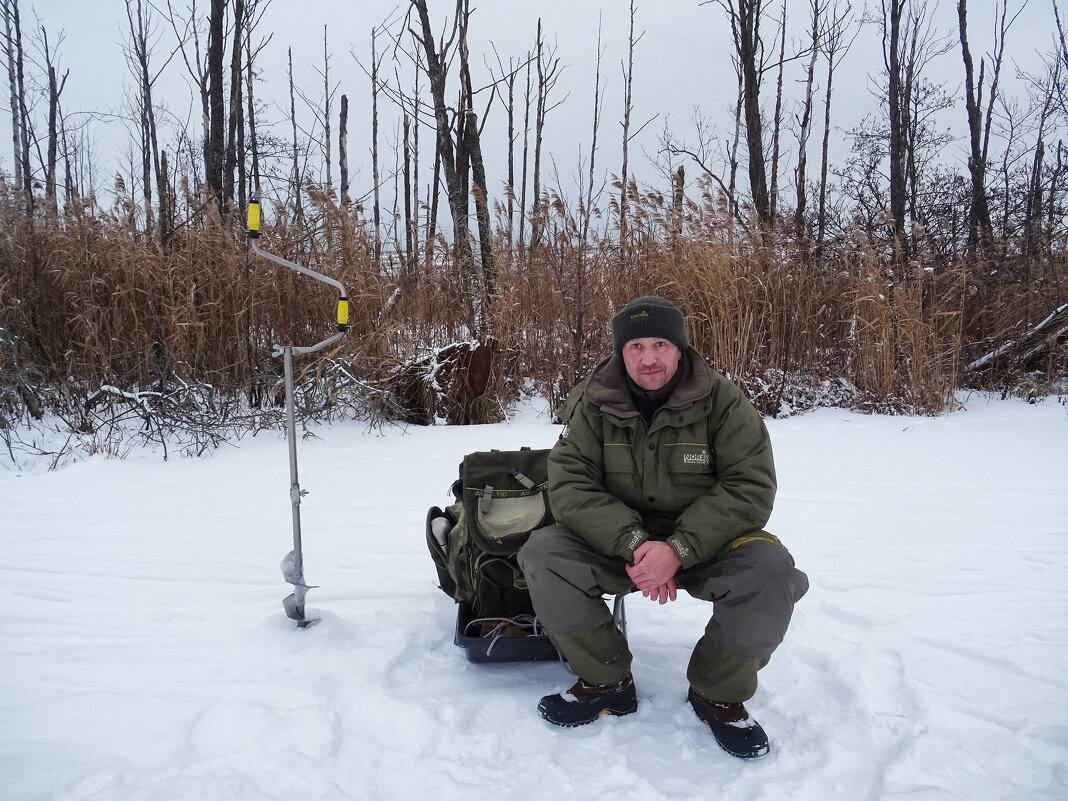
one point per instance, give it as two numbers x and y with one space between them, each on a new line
522 479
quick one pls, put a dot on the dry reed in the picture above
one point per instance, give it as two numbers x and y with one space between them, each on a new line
90 300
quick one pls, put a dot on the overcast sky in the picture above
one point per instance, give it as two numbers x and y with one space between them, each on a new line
681 61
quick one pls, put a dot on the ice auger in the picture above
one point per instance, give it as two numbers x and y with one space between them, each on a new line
293 563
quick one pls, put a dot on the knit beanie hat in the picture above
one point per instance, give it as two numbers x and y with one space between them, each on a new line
651 316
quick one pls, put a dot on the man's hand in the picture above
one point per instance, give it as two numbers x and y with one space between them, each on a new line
654 569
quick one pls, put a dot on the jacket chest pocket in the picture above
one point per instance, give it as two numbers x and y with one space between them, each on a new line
618 458
689 458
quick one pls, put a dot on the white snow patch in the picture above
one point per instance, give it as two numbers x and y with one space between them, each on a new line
145 654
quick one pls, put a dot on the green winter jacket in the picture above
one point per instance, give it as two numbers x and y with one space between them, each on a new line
700 476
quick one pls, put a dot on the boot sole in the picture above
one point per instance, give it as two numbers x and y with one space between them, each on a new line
573 724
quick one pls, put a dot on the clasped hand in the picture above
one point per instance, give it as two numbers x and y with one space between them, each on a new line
653 571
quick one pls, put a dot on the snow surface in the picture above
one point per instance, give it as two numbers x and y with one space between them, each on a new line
144 653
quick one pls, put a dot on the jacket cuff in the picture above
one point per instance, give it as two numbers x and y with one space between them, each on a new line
632 538
682 550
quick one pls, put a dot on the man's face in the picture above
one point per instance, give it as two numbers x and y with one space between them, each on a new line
651 362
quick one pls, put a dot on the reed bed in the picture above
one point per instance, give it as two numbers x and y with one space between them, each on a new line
89 300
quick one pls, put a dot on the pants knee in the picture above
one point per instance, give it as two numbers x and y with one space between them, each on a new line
756 601
536 552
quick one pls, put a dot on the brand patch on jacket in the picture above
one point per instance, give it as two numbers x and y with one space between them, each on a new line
697 456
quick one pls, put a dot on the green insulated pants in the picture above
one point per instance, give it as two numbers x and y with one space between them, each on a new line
753 588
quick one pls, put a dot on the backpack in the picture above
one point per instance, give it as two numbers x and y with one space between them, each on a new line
501 496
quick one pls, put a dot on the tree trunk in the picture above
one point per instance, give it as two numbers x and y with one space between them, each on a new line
236 112
166 209
509 229
832 38
150 159
539 122
326 112
415 179
628 87
587 211
343 149
736 141
409 262
678 195
377 208
298 208
979 227
806 126
482 215
11 10
253 139
214 148
897 101
436 68
55 89
22 115
1018 352
745 23
433 197
776 125
525 163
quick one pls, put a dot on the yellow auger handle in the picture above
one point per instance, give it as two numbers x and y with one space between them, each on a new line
253 235
343 314
253 219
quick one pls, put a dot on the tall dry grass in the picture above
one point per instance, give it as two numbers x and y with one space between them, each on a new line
89 300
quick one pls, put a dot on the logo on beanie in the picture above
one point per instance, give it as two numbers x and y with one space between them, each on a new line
638 315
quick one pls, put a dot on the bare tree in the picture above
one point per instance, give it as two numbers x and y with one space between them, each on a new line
508 77
139 56
628 107
296 179
472 151
12 49
525 162
980 229
233 160
377 207
776 120
805 120
215 146
898 109
587 211
409 260
343 149
253 135
188 33
548 71
704 154
247 145
55 89
909 45
437 60
1033 234
834 46
413 223
20 115
744 16
328 94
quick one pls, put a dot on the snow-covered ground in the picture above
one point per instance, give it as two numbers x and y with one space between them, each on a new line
144 653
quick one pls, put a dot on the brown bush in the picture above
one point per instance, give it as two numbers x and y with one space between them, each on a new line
88 300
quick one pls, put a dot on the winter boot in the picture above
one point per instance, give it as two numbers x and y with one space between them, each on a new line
585 702
733 727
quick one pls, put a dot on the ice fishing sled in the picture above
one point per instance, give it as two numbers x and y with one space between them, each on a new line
500 497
